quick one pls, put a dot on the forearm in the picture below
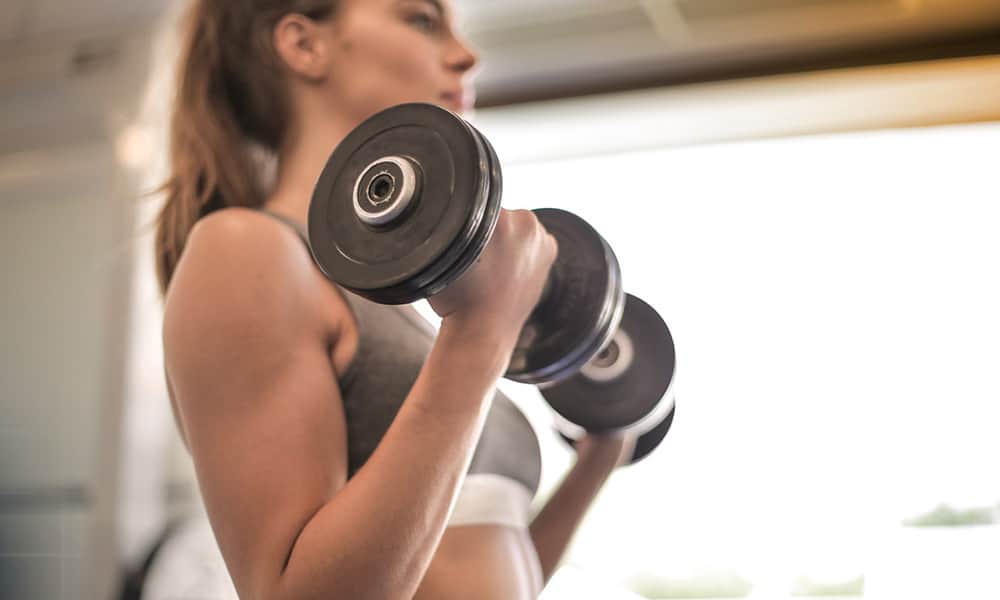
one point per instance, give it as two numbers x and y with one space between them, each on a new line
554 526
376 537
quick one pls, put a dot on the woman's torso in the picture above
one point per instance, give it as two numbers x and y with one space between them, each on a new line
379 351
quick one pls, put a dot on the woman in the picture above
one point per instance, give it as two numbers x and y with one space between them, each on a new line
342 450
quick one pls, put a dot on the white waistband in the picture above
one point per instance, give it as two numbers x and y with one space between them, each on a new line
489 499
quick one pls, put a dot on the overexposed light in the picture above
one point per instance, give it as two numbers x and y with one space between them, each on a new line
833 300
573 583
134 146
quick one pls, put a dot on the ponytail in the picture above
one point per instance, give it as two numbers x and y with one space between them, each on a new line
230 96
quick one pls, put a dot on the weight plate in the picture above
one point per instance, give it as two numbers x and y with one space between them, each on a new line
646 443
397 262
634 396
474 243
580 310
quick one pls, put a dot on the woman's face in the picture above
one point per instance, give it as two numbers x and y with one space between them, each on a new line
387 52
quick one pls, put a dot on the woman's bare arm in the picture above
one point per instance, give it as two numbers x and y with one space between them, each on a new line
262 412
553 528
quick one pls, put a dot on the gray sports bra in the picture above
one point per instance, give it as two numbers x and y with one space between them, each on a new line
393 345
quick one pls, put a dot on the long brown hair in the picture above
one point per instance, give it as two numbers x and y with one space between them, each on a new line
230 95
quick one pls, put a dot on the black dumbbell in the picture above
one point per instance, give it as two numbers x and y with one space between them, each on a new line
408 201
645 444
627 386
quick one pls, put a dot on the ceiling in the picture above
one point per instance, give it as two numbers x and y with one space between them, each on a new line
532 49
551 48
33 21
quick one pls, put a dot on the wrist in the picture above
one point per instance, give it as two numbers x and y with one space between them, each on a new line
596 463
605 451
481 343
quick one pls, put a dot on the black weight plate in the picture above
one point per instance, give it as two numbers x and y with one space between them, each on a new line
633 395
473 245
394 264
580 310
646 443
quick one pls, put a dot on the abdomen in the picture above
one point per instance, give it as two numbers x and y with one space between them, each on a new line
486 562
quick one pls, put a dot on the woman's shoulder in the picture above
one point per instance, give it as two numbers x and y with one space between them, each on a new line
244 229
242 246
243 264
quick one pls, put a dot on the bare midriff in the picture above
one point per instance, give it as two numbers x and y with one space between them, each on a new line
486 562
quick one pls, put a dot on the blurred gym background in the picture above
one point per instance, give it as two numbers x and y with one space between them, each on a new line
806 190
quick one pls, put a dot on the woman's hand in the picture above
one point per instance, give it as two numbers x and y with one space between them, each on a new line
607 450
503 287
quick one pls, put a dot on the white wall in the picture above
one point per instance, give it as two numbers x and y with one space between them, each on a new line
824 256
66 245
833 300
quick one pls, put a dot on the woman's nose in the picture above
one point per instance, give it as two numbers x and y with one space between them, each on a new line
461 57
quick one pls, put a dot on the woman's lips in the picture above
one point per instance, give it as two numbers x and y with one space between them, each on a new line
456 101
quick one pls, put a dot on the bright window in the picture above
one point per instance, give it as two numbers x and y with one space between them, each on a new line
834 303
